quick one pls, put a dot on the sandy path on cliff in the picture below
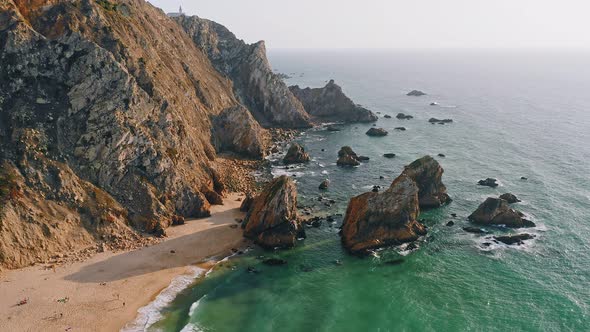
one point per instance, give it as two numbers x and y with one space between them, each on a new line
106 291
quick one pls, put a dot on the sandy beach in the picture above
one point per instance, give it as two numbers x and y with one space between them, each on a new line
105 292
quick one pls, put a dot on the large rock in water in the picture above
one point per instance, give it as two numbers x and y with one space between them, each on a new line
296 154
236 130
378 132
272 219
347 157
427 173
375 220
495 211
331 104
257 87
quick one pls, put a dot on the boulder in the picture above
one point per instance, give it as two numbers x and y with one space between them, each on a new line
514 239
401 128
295 155
377 132
495 211
416 93
272 219
427 173
441 155
363 158
403 116
510 198
236 130
324 185
374 220
347 157
331 104
389 155
489 182
387 116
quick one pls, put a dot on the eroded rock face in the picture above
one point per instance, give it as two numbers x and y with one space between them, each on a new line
427 173
495 211
295 155
331 104
272 219
83 90
375 220
257 87
236 130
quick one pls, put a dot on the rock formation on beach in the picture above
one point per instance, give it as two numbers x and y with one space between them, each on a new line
296 154
427 173
255 85
495 211
236 130
331 104
375 220
272 218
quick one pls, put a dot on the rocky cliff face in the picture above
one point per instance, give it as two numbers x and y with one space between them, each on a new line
255 84
272 217
236 130
375 220
331 104
104 119
427 173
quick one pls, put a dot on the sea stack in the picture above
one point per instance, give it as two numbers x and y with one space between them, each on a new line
495 211
427 173
272 219
295 155
374 220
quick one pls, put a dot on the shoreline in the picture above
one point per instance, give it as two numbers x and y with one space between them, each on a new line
105 292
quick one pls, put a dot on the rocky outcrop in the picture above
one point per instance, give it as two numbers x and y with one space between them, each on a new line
375 220
236 130
92 121
347 157
256 86
295 155
489 182
272 219
495 211
416 93
331 104
517 239
377 132
427 173
510 198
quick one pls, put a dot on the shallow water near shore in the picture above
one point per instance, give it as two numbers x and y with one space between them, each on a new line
515 114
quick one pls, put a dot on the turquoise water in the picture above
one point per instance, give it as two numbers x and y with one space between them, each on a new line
515 114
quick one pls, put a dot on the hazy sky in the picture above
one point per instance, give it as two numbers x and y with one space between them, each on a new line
399 23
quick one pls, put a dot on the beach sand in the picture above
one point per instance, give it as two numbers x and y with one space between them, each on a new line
105 292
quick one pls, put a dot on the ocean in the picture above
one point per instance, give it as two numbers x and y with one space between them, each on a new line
516 114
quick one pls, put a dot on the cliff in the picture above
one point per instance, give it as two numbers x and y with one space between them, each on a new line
255 84
104 125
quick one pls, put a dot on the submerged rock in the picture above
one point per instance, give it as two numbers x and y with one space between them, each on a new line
489 182
474 230
375 220
416 93
331 104
274 262
443 121
389 155
514 239
324 185
510 198
377 132
272 219
387 116
295 155
427 173
495 211
332 128
400 128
